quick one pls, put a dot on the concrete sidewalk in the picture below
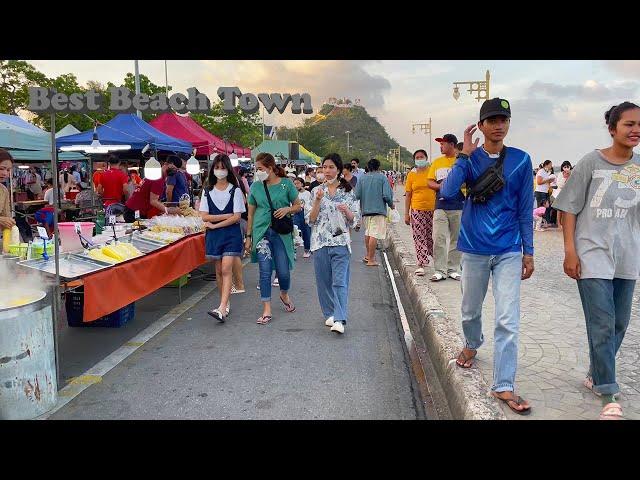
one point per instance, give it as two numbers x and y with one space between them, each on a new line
553 352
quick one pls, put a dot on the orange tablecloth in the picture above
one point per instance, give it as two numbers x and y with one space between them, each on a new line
116 287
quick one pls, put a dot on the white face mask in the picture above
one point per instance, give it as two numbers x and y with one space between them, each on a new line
320 177
261 176
220 174
331 181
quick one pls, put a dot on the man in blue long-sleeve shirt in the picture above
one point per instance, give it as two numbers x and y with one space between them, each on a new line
496 238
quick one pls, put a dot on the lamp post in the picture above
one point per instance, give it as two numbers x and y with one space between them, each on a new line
394 153
347 132
478 86
426 128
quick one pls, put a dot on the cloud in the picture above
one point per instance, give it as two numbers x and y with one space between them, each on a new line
626 68
590 91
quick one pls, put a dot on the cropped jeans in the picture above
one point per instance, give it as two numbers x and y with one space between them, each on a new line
607 310
271 247
506 271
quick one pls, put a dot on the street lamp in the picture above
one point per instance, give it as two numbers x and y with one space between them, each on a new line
478 86
394 153
347 132
426 128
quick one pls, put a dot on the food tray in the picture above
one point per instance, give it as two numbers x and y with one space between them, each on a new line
72 265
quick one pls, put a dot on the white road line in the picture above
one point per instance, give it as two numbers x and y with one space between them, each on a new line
94 374
408 337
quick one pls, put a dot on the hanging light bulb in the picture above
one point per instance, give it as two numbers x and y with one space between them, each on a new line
95 147
456 92
152 169
193 166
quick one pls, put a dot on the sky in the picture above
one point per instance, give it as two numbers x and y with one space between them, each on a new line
557 106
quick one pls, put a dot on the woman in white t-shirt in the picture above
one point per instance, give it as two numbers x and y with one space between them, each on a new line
221 206
543 179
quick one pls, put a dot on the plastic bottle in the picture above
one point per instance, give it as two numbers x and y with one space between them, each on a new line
6 240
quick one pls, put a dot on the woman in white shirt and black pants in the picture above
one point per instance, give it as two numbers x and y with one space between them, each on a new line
543 179
221 206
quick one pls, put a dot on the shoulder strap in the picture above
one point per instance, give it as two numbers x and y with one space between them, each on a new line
503 153
266 190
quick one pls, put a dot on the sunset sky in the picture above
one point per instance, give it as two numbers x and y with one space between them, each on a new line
557 106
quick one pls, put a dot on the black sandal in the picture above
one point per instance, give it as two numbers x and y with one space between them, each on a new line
217 314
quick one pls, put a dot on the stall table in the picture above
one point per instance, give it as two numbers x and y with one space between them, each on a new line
109 288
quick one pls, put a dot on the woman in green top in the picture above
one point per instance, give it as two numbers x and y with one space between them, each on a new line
268 248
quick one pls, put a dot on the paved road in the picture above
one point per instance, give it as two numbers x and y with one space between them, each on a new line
553 356
293 368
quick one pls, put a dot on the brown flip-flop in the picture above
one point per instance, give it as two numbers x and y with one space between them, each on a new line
517 399
465 359
373 264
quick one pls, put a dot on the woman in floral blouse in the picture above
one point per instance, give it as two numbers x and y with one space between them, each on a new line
333 210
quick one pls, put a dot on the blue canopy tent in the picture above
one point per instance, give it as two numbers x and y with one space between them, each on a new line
15 121
128 129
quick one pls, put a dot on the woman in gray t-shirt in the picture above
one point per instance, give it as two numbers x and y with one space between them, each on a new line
601 227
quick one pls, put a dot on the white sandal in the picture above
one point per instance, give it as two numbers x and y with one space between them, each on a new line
436 277
419 272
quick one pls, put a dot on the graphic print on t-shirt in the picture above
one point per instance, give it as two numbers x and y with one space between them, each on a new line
628 179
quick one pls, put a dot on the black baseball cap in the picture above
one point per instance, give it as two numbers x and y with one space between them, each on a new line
449 138
493 107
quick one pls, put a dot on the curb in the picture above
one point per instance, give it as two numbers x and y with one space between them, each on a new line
465 389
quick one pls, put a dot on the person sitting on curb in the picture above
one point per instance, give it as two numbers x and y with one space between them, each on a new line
497 228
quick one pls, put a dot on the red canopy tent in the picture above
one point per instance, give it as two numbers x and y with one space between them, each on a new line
186 128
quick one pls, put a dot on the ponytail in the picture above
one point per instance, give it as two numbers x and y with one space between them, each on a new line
279 171
344 184
66 177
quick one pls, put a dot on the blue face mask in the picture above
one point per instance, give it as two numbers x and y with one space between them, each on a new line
421 163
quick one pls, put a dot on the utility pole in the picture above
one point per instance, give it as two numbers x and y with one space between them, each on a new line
166 79
137 79
426 128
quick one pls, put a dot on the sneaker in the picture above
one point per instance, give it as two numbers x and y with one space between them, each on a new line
455 275
338 327
275 283
329 321
236 290
306 254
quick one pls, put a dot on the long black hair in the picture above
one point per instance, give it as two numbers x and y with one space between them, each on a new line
226 162
337 161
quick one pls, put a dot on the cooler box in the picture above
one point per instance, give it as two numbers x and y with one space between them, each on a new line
74 303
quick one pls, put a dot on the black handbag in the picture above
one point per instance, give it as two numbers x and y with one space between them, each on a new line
490 182
282 225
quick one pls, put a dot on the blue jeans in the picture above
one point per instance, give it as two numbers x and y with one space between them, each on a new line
305 230
607 310
506 270
332 267
270 250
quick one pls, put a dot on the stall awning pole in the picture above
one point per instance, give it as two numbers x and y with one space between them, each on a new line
56 233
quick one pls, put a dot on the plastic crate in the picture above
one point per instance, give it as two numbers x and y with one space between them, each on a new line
74 303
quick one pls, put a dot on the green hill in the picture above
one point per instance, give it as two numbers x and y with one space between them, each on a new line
325 133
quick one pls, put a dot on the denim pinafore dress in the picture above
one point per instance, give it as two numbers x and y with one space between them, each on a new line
225 241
